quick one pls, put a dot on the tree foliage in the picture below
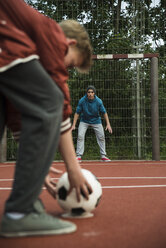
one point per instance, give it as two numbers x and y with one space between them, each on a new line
114 26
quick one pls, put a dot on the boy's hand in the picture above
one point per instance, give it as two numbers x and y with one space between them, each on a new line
108 127
81 185
50 183
73 127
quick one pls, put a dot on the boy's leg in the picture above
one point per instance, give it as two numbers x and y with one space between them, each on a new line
40 102
81 138
99 131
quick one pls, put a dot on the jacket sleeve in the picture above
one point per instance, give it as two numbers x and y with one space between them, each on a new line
101 107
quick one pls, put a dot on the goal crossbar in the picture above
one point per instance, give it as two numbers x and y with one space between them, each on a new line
126 56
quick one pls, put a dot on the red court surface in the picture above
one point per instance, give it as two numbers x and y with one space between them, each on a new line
131 214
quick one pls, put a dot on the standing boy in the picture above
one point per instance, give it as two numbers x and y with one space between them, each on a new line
89 108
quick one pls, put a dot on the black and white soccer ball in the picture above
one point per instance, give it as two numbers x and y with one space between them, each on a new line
69 202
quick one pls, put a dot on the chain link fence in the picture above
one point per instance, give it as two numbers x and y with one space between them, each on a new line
117 27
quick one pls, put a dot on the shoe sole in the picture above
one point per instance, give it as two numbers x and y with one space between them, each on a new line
39 233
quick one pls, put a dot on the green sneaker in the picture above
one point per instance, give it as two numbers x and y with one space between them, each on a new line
35 224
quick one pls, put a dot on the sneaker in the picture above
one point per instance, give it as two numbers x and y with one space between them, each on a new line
35 224
105 159
79 159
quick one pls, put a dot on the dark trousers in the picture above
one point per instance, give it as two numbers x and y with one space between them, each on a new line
40 102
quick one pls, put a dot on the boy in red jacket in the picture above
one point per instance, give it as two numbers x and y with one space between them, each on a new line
35 53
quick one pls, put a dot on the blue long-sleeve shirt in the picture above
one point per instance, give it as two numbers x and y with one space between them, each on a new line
89 110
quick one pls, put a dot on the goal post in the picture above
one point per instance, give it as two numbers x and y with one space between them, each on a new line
3 148
154 93
155 109
129 90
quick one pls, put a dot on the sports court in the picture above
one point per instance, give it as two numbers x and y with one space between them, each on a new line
131 213
129 74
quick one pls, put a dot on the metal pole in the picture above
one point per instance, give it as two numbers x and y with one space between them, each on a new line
155 110
3 132
3 148
138 112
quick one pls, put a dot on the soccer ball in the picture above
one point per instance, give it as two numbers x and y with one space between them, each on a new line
69 202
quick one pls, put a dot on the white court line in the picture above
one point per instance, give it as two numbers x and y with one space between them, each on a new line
5 180
9 188
134 186
110 187
5 188
131 178
115 187
108 178
104 178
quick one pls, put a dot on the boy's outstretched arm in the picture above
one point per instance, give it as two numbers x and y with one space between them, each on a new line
108 126
76 116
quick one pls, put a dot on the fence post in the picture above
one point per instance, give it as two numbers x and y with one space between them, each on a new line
155 109
3 147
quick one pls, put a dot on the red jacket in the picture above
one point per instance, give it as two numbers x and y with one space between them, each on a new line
24 32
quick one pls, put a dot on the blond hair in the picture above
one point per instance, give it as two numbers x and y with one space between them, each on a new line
74 30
